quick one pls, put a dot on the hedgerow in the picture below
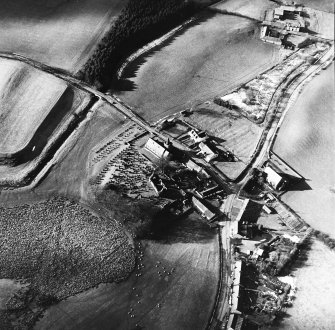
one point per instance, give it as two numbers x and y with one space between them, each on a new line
139 22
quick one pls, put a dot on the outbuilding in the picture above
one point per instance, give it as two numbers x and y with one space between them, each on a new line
274 178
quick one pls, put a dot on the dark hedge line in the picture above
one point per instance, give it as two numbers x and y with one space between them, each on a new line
140 22
330 242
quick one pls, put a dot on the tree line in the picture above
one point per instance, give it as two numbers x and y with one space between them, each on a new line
140 22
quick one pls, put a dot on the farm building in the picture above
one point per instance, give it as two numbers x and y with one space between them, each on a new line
205 212
283 12
156 148
197 136
207 152
267 209
266 36
191 165
274 179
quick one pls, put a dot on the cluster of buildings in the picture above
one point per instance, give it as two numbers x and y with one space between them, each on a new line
190 183
257 295
281 22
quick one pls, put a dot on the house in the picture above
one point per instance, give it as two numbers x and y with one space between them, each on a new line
156 148
274 179
207 152
205 212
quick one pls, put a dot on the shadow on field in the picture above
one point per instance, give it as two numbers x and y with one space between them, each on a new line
188 229
132 69
47 127
302 185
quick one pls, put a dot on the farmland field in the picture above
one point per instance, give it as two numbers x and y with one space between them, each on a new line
210 57
313 307
60 33
70 174
182 297
31 100
306 142
251 8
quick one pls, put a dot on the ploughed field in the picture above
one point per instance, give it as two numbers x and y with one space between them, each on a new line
60 33
210 57
174 286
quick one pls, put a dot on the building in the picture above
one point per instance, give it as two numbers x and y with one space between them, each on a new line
207 152
191 165
267 209
205 212
209 188
283 11
274 179
197 137
156 148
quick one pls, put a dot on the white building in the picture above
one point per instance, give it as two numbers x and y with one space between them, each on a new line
273 178
156 148
207 152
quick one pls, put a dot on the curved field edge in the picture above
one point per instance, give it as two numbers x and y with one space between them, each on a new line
59 33
25 173
27 96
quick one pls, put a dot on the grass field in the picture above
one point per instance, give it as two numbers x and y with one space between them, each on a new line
208 58
251 8
181 297
32 105
27 95
70 175
61 33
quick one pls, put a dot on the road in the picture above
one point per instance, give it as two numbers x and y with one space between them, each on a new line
263 152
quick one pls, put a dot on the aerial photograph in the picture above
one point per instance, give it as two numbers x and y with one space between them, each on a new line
167 165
